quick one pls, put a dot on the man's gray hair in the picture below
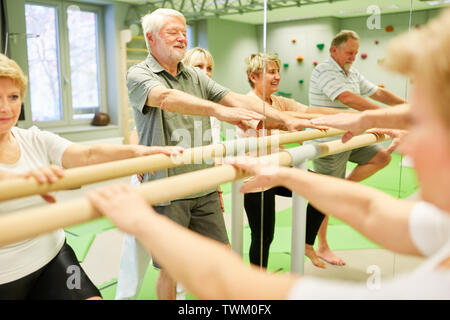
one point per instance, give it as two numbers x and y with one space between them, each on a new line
342 37
153 22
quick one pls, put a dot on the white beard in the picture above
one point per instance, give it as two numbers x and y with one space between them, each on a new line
169 51
347 67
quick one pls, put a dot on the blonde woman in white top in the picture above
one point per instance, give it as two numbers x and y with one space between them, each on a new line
37 268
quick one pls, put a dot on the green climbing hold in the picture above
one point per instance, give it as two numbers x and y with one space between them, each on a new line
283 94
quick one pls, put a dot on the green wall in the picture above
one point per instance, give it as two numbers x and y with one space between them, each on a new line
230 43
309 33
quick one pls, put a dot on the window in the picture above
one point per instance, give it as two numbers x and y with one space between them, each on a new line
43 63
64 60
190 36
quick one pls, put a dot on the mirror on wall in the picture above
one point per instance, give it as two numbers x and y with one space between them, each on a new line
300 34
301 37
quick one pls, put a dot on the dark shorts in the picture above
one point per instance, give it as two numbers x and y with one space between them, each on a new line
203 215
336 164
61 279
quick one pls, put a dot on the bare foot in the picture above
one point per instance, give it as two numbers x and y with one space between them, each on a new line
311 254
327 255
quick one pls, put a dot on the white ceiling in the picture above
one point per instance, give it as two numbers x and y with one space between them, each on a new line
342 9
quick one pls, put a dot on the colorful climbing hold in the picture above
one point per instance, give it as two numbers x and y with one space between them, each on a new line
389 28
301 81
284 94
363 55
299 58
320 46
285 65
315 63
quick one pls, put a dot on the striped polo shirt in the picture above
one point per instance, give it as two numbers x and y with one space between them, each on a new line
328 81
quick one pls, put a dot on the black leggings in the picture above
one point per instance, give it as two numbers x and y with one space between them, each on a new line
61 279
252 204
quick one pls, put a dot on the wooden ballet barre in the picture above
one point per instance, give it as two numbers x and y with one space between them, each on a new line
24 224
76 177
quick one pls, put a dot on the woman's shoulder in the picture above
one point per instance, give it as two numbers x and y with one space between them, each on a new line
26 133
283 103
35 134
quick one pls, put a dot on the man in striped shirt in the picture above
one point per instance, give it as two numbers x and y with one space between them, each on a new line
334 83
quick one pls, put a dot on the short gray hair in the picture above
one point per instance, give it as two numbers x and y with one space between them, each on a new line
342 37
153 22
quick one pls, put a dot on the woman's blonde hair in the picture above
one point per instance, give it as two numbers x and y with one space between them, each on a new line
425 54
10 69
193 53
255 64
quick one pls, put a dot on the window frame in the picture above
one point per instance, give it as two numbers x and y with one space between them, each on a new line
64 70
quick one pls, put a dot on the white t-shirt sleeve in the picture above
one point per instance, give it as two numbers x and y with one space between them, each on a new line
53 145
42 148
429 227
423 286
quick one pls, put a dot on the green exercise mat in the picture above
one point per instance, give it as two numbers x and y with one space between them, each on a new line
80 244
108 289
91 227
